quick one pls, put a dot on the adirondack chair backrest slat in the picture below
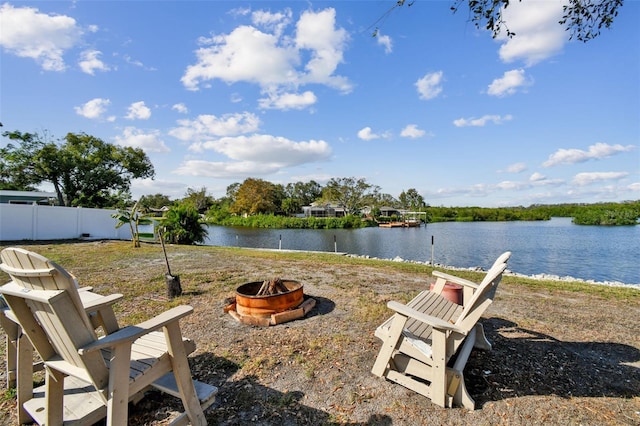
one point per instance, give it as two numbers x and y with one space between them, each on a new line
62 318
20 264
483 296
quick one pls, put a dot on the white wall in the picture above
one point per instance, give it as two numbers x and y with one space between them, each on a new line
33 222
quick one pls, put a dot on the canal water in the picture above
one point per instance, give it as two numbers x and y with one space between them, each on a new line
554 247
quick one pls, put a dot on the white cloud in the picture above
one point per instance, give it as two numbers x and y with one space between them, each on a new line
180 107
206 127
255 155
172 189
136 138
317 32
536 177
218 169
589 178
482 121
138 111
274 60
430 85
246 54
516 168
90 62
385 41
412 131
367 135
538 34
94 109
286 101
595 152
270 149
508 185
276 22
27 33
509 84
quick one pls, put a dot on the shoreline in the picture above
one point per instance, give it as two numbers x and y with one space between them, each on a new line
540 277
550 277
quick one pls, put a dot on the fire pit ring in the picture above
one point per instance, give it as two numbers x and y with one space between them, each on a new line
249 303
250 307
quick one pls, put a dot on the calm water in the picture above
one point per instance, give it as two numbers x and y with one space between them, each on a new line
548 247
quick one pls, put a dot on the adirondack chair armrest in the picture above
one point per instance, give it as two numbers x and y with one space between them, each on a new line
454 279
128 334
101 302
434 322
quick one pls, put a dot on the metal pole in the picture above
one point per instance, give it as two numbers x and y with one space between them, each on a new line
335 244
280 243
432 250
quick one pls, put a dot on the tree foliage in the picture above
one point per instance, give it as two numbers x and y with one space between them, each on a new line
583 19
84 170
182 225
255 196
155 201
411 199
351 193
304 193
198 199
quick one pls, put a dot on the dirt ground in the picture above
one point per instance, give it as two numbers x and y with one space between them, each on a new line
558 357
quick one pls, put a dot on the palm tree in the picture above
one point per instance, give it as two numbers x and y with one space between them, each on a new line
134 218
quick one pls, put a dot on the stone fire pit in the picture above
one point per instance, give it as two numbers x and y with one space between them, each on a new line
270 302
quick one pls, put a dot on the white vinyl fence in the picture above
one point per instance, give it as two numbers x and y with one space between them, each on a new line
34 222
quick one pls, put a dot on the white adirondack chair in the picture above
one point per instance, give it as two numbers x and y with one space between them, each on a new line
422 337
88 378
19 351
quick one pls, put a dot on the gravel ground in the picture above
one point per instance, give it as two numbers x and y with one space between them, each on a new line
558 357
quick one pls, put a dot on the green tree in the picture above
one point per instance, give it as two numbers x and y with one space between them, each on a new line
411 199
386 200
583 19
255 196
199 199
21 167
232 191
291 206
304 193
84 170
155 201
350 193
182 225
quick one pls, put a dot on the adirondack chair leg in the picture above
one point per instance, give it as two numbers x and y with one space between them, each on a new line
439 368
11 352
389 345
461 396
481 341
457 388
24 375
182 374
118 397
54 382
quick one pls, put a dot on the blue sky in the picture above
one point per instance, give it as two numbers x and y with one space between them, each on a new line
219 91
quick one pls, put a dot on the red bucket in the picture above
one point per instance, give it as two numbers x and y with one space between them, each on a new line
451 291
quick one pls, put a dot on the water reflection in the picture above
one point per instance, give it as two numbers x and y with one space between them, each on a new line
549 247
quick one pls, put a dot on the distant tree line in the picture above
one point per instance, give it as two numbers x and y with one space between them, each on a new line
87 172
